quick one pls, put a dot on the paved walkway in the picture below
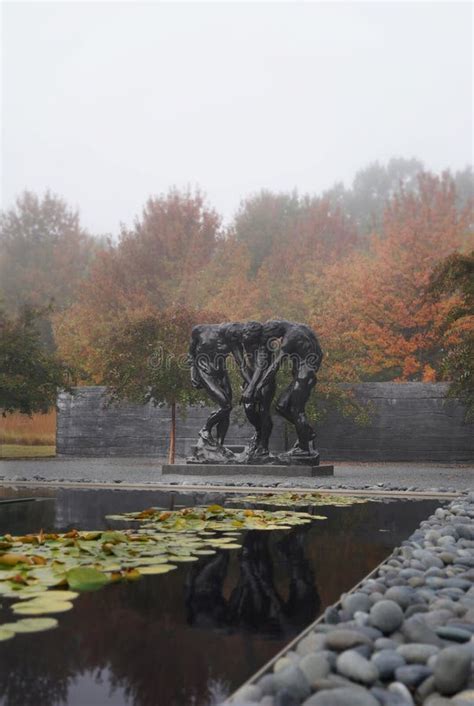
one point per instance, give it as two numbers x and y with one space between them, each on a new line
413 476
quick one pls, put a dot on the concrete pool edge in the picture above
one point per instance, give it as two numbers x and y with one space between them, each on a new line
382 493
237 698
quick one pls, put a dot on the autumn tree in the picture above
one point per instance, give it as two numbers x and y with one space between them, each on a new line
453 280
30 376
374 310
151 267
45 254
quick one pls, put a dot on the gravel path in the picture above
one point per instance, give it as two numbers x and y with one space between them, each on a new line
405 637
419 476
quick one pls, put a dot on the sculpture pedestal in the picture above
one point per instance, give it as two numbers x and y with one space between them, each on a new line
239 469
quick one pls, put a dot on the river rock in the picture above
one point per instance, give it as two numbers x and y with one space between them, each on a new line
310 643
385 643
451 670
417 652
352 665
403 595
412 674
437 700
387 698
465 531
387 661
293 680
448 632
249 692
415 630
342 697
343 639
465 698
424 689
386 615
314 666
354 602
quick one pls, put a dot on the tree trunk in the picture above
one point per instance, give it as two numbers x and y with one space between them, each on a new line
172 445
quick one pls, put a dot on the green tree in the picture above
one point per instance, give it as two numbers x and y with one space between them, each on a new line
453 281
264 220
145 359
30 376
372 188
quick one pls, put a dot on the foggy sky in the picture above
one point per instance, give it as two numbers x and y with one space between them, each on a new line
108 103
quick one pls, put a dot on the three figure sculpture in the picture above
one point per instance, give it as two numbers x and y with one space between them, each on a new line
259 351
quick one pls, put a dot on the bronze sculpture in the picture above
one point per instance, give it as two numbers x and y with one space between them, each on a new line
211 345
296 343
259 351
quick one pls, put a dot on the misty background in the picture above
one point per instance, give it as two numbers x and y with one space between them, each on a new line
107 103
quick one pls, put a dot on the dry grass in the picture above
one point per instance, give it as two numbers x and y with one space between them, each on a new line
18 429
24 451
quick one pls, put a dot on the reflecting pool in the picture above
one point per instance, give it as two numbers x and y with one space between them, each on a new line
191 636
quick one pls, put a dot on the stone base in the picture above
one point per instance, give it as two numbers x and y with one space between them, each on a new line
236 470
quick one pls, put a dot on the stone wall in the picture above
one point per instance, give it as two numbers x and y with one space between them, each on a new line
88 426
410 421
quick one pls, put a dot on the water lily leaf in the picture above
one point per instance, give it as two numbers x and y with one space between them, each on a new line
49 595
114 537
91 536
11 559
157 569
295 499
32 625
41 607
6 574
182 559
205 552
5 633
86 579
230 546
215 509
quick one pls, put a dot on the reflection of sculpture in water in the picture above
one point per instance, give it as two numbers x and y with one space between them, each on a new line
255 604
259 350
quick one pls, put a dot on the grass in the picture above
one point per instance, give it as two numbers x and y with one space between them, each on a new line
19 429
28 437
26 451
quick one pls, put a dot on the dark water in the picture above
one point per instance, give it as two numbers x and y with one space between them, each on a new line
179 638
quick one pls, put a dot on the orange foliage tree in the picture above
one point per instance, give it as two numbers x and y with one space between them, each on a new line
152 267
373 312
286 256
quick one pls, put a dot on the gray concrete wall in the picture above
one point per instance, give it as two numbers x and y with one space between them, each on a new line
410 421
88 426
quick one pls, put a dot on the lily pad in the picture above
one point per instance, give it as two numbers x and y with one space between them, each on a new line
5 633
230 546
157 569
32 625
86 579
41 607
49 595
